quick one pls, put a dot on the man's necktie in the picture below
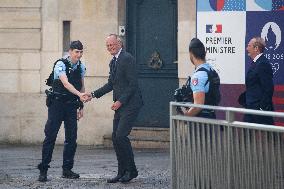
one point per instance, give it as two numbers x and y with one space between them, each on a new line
253 65
113 65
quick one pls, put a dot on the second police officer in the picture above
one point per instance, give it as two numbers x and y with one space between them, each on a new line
204 82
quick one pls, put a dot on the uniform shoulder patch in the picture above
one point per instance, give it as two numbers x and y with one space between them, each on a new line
194 81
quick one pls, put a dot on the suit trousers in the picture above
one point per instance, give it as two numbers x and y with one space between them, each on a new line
57 112
250 118
268 120
122 124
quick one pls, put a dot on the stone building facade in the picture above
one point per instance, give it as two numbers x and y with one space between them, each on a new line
32 37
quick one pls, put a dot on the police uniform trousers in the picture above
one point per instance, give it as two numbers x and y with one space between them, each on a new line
122 124
60 111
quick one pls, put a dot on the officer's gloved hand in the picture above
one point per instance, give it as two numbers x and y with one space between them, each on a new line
179 110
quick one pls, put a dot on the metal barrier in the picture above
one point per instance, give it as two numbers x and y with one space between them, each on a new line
225 154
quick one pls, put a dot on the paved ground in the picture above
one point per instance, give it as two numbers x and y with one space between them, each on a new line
18 169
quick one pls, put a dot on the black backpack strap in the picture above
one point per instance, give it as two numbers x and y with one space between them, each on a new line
61 59
79 66
187 83
64 60
205 70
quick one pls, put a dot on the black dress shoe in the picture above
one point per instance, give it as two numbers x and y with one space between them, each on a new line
42 176
128 176
67 173
114 179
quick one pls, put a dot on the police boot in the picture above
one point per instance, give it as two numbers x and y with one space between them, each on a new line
43 173
67 173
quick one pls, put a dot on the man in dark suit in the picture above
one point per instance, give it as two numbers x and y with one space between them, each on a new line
123 81
259 83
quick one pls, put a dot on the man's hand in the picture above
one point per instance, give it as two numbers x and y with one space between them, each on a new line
88 97
79 114
85 97
116 105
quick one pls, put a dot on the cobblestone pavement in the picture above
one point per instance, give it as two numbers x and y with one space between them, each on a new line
18 169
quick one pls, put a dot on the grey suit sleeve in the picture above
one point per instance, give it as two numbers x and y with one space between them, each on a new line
103 90
132 78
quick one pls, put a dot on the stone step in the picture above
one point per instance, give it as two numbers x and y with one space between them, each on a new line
158 133
140 137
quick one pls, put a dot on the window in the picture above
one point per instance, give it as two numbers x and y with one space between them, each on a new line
66 37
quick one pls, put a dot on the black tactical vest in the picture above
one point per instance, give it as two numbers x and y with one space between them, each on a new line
213 96
74 77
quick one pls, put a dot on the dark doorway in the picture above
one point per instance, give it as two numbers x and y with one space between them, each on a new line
152 38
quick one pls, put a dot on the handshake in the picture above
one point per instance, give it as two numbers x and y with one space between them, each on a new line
85 97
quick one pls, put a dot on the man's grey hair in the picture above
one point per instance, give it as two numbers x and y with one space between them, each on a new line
260 43
117 38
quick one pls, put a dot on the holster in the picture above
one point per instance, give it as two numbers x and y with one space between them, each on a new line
79 104
49 97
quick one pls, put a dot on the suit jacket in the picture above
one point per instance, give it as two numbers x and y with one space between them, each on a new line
124 82
259 85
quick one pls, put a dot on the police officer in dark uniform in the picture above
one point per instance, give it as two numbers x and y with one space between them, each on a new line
63 105
199 81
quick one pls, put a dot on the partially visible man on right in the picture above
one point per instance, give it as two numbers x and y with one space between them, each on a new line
259 83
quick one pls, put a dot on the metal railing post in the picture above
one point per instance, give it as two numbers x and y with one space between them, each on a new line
172 149
230 116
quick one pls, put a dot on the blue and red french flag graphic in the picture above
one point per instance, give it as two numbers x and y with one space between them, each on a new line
217 5
216 28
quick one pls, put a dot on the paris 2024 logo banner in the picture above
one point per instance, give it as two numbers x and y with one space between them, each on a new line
265 18
270 26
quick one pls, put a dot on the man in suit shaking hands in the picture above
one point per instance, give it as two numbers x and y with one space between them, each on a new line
123 81
259 83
